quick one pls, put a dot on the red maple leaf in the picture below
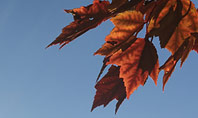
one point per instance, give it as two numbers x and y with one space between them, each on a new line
136 63
181 53
85 18
110 87
175 22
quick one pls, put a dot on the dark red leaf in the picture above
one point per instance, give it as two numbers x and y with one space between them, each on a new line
89 17
106 59
108 88
85 18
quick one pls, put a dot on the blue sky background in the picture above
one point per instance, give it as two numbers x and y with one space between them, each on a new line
50 83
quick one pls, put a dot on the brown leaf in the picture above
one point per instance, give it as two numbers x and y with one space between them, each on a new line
89 17
168 68
167 22
174 24
108 88
106 59
136 63
170 64
182 41
85 18
188 48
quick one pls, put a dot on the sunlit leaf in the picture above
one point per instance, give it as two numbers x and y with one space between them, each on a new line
170 64
133 57
126 24
174 24
136 63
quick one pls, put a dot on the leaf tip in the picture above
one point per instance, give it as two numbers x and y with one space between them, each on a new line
92 108
155 83
48 46
163 88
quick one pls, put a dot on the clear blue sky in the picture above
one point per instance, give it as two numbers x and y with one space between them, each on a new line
50 83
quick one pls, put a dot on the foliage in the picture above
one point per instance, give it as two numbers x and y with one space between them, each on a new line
133 58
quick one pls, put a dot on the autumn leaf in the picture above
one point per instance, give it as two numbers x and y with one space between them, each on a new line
166 17
108 88
188 48
182 54
132 58
174 24
106 59
89 17
136 63
126 25
85 18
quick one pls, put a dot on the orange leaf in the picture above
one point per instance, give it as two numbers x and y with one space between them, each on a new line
188 48
175 23
182 54
126 24
108 88
166 22
136 63
85 18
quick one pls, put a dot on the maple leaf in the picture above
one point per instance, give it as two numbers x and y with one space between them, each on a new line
166 17
108 88
89 17
182 54
85 18
136 63
126 24
174 24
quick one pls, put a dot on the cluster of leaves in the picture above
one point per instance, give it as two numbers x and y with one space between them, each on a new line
133 58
